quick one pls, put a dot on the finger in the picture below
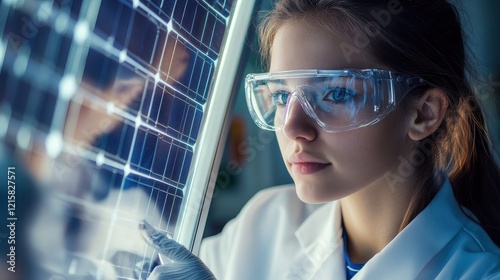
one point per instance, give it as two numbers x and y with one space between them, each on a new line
165 246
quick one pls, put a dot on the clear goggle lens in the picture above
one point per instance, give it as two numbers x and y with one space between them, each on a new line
339 100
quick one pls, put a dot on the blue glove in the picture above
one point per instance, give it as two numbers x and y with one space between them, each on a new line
183 265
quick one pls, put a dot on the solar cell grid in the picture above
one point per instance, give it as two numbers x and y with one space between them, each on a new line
106 99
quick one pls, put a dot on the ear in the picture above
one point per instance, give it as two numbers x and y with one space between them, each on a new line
428 114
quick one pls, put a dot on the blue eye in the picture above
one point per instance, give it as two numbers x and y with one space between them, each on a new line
339 95
280 97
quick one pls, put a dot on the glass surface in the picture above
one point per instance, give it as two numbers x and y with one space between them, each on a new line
101 107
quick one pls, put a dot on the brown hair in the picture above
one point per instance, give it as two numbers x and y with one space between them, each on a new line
424 38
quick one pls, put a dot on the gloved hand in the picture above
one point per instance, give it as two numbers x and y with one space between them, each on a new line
183 265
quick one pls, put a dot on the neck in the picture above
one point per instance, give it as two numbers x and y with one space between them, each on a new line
372 217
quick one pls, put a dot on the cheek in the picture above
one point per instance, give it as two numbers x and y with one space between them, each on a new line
283 143
361 153
358 157
366 154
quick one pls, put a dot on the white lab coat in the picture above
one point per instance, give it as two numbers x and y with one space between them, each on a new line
276 236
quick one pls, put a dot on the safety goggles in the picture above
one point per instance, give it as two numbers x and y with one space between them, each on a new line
339 100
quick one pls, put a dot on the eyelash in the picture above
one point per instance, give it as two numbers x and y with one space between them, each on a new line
349 94
277 95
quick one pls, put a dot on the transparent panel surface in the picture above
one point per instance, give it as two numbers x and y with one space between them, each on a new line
101 107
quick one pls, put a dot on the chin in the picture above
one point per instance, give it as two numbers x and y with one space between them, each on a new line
315 193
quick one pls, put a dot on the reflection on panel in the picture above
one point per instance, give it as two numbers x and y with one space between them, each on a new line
101 107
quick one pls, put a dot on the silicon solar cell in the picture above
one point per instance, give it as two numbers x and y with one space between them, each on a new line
105 101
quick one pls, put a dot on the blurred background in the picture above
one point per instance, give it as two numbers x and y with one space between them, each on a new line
252 160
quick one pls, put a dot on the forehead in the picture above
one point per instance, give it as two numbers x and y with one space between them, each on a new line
300 45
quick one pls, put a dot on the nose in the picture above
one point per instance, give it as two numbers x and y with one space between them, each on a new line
298 125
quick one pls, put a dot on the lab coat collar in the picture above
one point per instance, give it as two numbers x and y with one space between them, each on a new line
323 227
321 235
407 254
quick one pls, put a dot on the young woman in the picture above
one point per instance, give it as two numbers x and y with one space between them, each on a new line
377 120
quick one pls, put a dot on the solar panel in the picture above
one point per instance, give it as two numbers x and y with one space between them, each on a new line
116 110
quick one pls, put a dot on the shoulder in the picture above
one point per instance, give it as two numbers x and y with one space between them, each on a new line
480 251
470 254
479 239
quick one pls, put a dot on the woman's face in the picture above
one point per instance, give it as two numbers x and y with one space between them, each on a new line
329 166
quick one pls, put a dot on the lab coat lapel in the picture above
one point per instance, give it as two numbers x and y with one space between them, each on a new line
320 237
407 254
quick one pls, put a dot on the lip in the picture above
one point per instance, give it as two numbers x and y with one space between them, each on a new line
304 164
